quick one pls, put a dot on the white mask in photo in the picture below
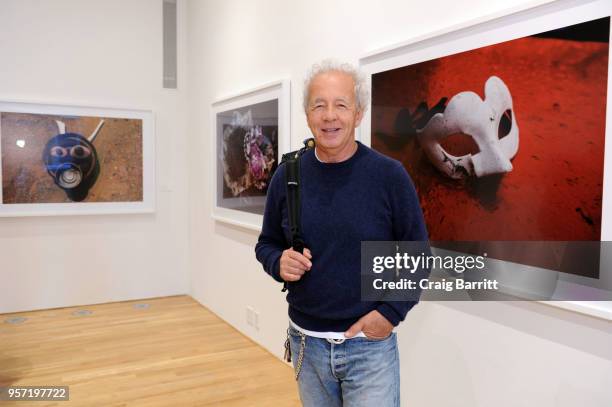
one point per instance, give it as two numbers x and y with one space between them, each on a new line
491 124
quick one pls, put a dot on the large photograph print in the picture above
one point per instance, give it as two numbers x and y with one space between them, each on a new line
59 160
250 133
502 123
505 142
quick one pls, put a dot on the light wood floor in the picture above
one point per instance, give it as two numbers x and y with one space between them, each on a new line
175 353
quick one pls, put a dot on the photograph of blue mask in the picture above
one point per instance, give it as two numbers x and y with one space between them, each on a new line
72 161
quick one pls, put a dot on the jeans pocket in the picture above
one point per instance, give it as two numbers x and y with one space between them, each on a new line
367 338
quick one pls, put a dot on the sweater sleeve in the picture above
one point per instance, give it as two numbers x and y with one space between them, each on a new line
408 225
272 242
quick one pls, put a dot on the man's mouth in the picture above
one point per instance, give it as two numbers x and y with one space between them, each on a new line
331 130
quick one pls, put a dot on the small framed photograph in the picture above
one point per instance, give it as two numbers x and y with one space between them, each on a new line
75 160
250 132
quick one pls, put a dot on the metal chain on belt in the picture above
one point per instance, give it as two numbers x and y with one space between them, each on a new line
300 356
287 356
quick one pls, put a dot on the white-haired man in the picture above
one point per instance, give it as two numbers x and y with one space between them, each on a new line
344 349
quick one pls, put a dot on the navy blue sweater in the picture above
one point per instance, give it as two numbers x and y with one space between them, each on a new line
367 197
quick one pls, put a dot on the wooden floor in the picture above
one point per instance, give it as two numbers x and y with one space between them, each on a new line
174 353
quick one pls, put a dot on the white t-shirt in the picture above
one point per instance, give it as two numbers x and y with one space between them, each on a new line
325 335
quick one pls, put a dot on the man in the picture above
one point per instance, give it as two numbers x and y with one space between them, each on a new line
344 350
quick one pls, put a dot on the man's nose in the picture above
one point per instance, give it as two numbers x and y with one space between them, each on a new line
330 113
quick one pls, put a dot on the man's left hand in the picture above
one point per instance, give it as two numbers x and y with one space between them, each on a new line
372 324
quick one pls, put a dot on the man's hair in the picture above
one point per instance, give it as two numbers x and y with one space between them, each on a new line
362 93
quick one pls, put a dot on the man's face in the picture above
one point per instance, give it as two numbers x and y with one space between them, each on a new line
331 113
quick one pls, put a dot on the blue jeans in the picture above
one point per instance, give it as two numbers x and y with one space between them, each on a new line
359 372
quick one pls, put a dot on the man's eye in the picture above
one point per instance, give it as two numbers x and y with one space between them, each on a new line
342 106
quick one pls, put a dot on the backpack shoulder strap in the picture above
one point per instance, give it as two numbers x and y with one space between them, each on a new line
292 184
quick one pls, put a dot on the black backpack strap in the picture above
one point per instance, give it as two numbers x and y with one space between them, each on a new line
292 183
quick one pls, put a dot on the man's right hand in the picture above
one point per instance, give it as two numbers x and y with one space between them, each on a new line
293 264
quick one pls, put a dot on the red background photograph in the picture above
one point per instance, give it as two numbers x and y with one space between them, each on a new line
558 84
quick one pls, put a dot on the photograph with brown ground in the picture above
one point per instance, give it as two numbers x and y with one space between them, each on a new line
23 137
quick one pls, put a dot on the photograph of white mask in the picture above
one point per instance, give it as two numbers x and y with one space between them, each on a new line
505 141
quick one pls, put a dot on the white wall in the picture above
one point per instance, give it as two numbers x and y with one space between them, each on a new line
453 354
102 53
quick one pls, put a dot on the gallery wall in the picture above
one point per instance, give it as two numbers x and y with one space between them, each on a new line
108 54
452 354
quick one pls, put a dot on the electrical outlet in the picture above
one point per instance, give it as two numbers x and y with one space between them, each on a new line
256 319
249 315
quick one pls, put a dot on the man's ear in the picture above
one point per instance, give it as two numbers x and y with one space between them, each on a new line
359 117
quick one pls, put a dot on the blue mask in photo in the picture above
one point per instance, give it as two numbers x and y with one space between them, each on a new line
72 161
